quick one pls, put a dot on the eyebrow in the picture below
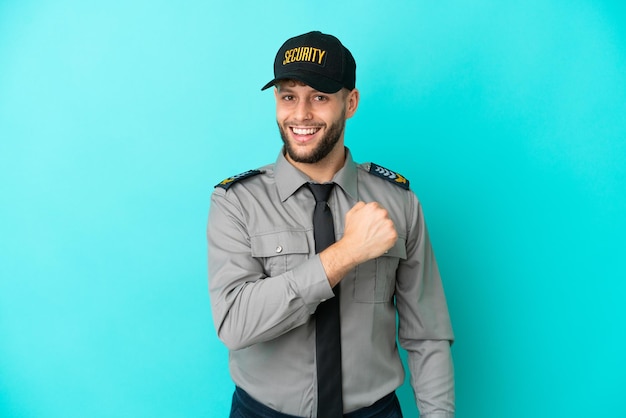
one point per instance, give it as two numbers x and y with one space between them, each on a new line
289 89
284 89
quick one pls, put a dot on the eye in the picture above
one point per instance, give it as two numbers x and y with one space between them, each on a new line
288 97
320 98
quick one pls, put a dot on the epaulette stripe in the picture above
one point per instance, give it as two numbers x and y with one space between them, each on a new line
226 183
391 176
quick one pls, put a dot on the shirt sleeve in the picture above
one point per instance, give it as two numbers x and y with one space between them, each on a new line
248 306
424 322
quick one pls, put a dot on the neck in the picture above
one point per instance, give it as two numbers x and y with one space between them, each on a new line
324 170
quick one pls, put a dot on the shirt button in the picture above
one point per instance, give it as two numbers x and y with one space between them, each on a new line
279 249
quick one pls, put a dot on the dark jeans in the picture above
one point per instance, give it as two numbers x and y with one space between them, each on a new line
244 406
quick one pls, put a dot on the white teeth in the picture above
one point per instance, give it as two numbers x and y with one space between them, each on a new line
304 131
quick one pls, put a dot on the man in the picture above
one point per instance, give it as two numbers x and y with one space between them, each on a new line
310 318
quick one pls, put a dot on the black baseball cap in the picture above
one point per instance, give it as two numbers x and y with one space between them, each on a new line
318 60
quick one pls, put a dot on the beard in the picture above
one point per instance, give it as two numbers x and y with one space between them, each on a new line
325 146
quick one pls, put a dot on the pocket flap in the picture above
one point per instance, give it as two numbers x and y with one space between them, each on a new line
398 250
279 243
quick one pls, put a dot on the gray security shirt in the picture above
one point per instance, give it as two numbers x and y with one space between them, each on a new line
266 281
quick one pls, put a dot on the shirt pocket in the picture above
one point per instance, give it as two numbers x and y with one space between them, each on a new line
375 280
280 251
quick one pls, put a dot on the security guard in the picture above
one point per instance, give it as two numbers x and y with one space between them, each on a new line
270 283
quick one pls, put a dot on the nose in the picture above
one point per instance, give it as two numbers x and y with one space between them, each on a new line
303 110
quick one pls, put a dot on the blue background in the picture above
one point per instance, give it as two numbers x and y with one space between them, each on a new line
118 117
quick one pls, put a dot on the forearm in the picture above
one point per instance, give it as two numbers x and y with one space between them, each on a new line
337 262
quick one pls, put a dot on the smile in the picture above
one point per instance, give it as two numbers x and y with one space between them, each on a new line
304 131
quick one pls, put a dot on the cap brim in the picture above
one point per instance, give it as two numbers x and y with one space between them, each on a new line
318 82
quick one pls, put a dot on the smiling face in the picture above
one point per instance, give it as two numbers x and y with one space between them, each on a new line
312 123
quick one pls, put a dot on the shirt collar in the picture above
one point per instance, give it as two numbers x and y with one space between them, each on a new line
289 179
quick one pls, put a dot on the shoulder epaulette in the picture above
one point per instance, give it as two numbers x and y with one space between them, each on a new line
226 183
389 175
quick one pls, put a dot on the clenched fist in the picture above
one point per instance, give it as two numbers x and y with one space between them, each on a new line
368 233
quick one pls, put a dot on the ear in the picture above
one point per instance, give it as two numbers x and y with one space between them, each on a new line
352 102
